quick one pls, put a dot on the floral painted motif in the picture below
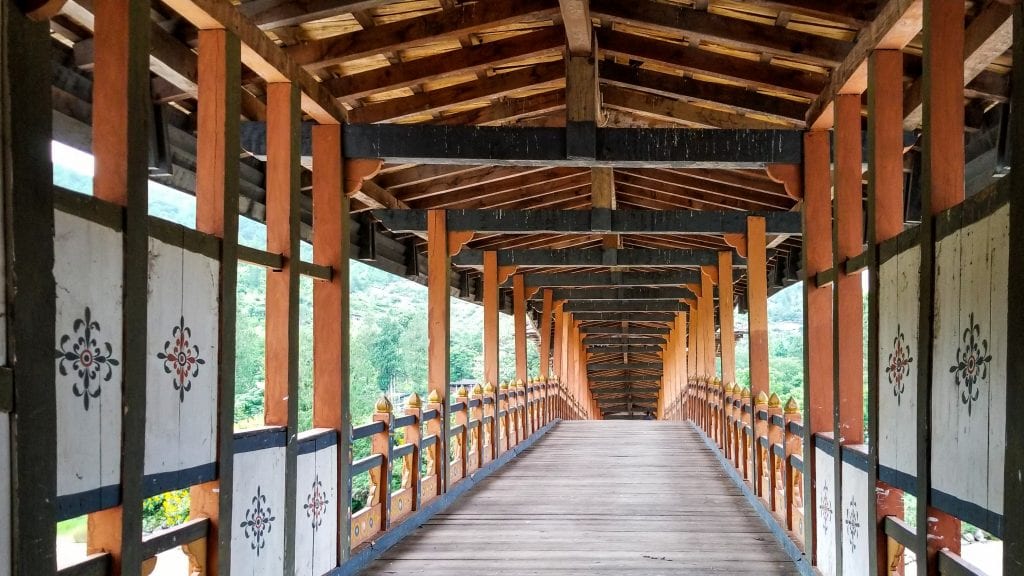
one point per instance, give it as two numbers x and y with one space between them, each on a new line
82 353
181 358
972 361
825 509
899 364
316 503
258 521
852 521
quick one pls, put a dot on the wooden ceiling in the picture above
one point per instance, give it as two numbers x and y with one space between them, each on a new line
660 63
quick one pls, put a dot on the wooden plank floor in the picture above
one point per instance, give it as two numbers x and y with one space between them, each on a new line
600 497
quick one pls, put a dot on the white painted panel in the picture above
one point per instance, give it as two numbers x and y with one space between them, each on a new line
201 309
307 512
162 395
182 362
856 529
898 361
999 246
5 494
825 510
89 278
945 339
325 544
257 537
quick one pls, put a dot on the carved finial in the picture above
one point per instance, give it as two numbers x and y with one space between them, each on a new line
729 388
717 382
488 388
504 386
462 392
384 406
434 397
762 397
519 384
791 406
414 402
746 393
478 390
774 401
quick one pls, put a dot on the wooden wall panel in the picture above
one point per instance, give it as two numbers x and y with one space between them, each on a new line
181 378
88 353
316 527
899 280
969 371
856 530
5 494
258 496
825 510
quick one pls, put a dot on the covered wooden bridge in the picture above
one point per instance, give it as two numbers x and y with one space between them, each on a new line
623 177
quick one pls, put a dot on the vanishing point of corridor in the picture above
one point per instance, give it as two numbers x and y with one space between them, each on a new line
598 497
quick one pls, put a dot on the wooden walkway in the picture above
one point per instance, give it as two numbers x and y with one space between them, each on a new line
598 497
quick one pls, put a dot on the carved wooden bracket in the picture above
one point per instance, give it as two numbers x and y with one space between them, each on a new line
504 273
737 241
695 288
530 292
457 241
40 10
711 272
359 170
790 176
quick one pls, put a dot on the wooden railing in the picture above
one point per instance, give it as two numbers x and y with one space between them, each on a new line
484 424
762 438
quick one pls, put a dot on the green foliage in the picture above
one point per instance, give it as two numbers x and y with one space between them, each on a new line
165 510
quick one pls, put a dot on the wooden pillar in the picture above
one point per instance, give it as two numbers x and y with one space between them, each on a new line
519 316
438 328
885 221
942 164
545 334
331 311
281 395
491 311
120 147
26 178
725 312
757 301
817 253
217 214
681 362
709 276
558 341
1013 486
691 343
848 308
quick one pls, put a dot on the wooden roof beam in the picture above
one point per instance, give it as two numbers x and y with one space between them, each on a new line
626 378
988 36
624 338
624 306
756 74
483 184
464 19
674 110
561 279
633 258
273 14
507 194
468 60
509 109
707 26
639 292
855 13
895 25
579 32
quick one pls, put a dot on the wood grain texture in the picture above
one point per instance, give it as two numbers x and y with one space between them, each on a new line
607 497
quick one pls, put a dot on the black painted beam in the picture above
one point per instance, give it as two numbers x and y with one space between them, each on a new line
611 293
624 306
599 367
633 331
621 341
591 257
594 221
626 378
638 349
561 279
624 316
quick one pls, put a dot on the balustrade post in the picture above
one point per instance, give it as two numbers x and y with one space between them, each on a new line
493 429
414 436
746 420
462 419
380 477
477 413
760 417
504 431
727 418
435 427
794 445
775 437
520 392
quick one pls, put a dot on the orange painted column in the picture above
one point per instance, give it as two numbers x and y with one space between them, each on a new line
697 338
519 315
491 317
691 342
725 314
817 226
545 334
757 302
942 164
681 362
559 342
849 234
885 192
438 327
707 314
